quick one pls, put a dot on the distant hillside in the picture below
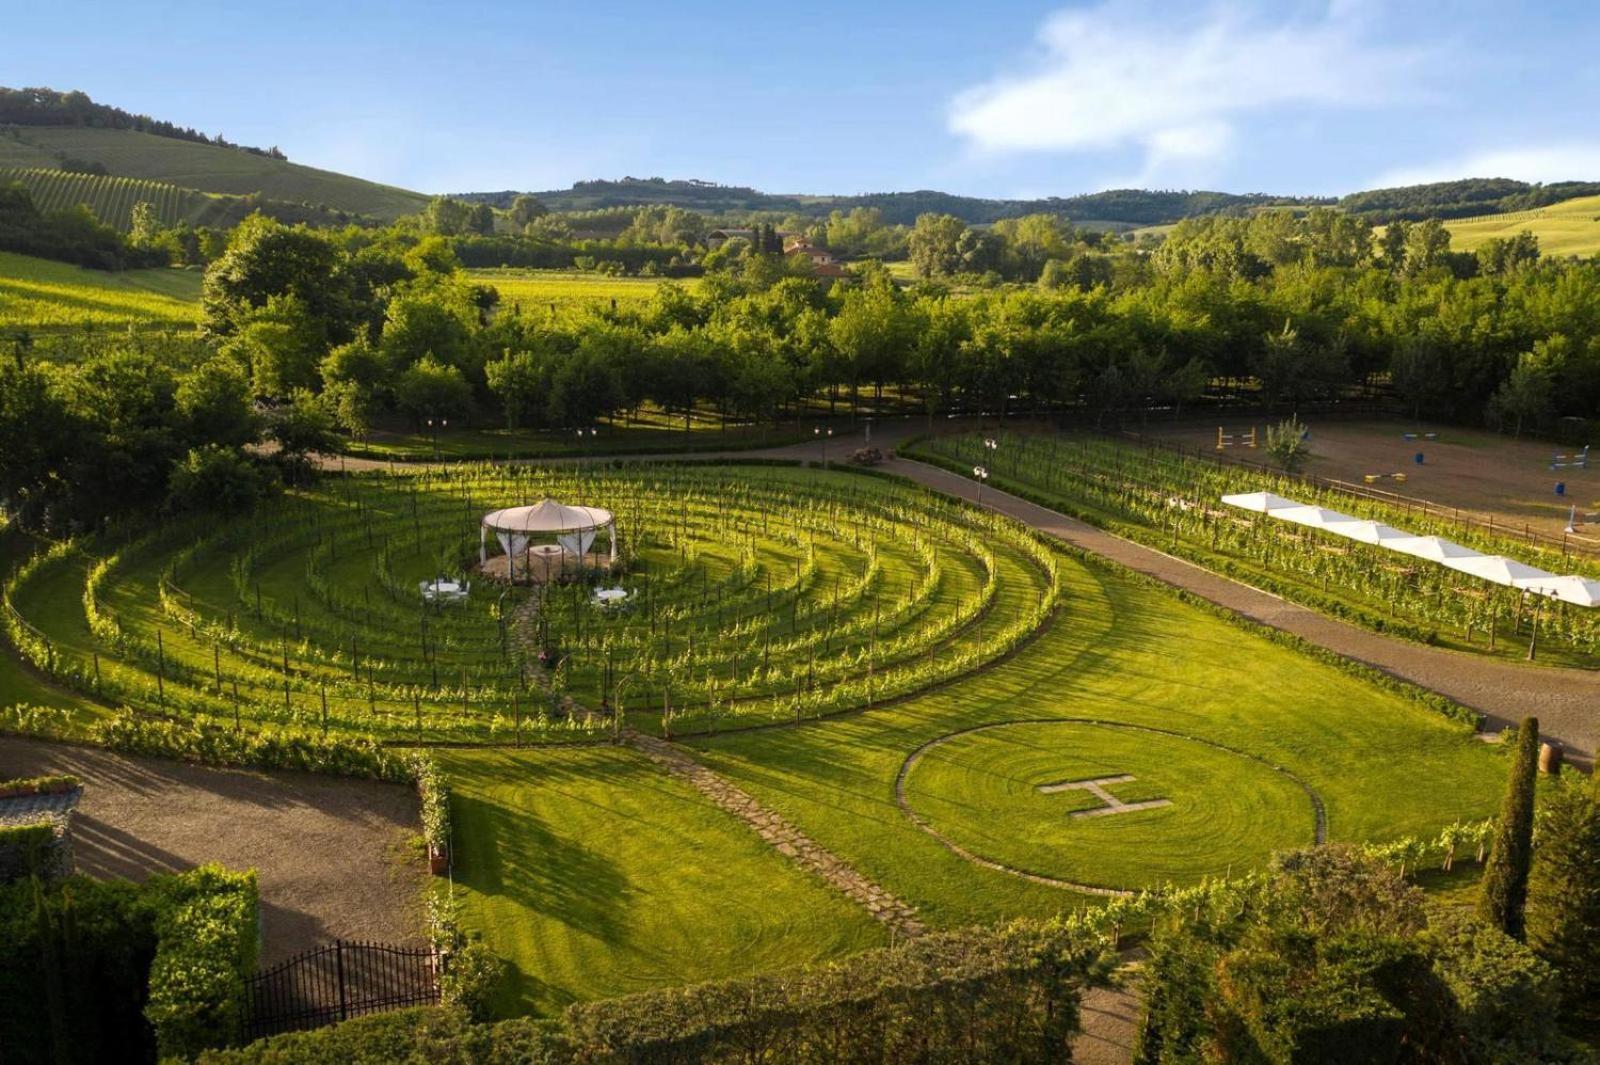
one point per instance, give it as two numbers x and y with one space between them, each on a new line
1467 198
200 166
1126 206
1571 227
112 200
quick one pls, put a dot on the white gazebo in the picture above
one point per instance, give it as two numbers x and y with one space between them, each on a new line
572 528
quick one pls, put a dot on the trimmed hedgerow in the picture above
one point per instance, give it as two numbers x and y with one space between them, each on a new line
207 940
32 850
57 784
113 971
975 995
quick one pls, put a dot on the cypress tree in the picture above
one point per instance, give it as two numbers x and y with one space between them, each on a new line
1505 880
1564 894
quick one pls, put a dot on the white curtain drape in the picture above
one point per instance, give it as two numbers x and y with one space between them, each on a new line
515 545
576 543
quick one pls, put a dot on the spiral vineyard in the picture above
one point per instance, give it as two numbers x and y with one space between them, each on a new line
754 595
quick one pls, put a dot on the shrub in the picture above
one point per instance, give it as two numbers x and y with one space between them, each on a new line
58 784
435 796
37 849
1504 893
72 985
1563 911
1331 957
207 929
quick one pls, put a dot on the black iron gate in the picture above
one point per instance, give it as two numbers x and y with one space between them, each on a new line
333 983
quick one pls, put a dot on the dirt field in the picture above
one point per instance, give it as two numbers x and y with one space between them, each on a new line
332 854
1475 471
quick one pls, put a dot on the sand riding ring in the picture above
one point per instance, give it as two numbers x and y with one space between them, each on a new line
547 542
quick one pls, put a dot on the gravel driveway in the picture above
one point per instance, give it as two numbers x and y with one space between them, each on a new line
332 854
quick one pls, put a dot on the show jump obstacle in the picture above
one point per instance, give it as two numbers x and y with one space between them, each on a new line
1237 439
1577 460
541 541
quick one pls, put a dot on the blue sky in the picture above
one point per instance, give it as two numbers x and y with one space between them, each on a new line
1005 98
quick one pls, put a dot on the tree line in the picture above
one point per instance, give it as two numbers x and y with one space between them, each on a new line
50 107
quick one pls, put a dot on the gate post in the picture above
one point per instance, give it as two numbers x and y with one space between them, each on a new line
338 957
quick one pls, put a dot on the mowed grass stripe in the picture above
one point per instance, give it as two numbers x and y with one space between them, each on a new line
594 874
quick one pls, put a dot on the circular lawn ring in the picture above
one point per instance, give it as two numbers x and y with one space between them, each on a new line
753 595
1104 807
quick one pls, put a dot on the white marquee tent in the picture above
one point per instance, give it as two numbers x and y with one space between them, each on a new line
1497 569
574 529
1580 591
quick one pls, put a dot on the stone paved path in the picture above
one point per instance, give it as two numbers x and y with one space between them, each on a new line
780 834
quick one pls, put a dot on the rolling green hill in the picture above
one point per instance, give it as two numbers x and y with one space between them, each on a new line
1103 209
112 200
1571 227
201 167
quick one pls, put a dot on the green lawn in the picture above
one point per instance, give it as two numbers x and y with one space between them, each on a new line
595 873
1119 652
649 431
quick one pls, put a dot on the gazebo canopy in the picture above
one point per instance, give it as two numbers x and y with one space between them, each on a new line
547 516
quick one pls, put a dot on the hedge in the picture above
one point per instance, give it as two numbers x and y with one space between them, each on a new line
207 939
38 849
58 784
976 995
113 971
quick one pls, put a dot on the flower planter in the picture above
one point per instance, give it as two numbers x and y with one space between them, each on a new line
438 859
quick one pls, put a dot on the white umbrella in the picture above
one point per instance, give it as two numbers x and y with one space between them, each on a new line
1260 502
1506 571
1580 591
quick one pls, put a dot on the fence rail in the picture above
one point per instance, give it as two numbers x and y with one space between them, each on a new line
349 978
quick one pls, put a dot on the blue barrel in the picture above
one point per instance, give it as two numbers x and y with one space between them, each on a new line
1418 458
1561 488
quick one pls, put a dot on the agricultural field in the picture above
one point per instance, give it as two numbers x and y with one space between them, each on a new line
537 291
112 199
1571 227
206 167
38 294
1170 499
917 685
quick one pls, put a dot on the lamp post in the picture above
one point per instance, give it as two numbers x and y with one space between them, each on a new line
822 436
586 438
982 474
434 425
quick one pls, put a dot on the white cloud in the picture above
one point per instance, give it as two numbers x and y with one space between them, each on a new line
1544 163
1123 75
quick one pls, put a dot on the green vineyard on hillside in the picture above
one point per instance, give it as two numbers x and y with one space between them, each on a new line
112 199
